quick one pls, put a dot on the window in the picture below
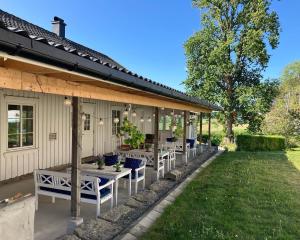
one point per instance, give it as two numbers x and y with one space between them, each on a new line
87 122
168 122
161 123
20 125
116 114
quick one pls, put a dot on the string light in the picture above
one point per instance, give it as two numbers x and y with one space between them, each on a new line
153 114
162 108
149 119
133 114
142 119
116 120
83 117
101 122
125 113
174 128
172 113
67 101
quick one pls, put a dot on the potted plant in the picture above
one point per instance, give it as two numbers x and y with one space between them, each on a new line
134 137
147 147
117 166
100 162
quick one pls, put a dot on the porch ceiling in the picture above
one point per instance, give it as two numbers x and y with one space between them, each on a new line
29 75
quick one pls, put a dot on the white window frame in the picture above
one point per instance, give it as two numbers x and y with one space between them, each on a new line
21 101
115 108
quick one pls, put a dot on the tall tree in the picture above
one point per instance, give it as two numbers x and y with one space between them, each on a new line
230 51
284 117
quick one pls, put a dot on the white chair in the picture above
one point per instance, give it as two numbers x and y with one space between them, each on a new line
138 166
160 167
172 158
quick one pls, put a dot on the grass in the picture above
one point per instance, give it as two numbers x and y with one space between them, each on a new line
241 195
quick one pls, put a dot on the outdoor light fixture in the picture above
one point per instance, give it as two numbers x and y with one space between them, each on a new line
101 122
116 120
172 113
133 114
125 113
174 128
149 119
162 108
142 119
67 101
153 114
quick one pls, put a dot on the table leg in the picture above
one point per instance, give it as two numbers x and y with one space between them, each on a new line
129 187
116 191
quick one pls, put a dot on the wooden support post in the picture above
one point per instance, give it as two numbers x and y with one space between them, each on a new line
200 130
76 157
156 128
209 130
184 155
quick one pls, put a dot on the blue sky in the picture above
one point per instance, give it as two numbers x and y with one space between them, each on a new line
147 36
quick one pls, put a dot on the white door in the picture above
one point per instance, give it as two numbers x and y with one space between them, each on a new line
88 130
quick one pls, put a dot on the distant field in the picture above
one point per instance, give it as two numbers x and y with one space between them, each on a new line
217 128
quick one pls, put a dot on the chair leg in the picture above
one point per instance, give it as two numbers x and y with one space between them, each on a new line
144 181
124 183
98 210
136 187
111 202
53 199
36 202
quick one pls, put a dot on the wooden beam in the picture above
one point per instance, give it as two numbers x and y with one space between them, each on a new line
156 131
20 80
184 155
76 156
200 127
209 130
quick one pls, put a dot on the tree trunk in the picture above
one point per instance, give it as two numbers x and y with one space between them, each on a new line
229 133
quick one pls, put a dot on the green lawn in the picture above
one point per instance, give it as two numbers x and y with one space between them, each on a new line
241 195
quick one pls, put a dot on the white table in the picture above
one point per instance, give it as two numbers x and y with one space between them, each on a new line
110 173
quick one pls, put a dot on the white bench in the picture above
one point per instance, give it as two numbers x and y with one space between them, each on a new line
58 185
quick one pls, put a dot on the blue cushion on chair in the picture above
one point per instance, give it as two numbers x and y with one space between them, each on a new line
170 139
132 163
191 142
110 159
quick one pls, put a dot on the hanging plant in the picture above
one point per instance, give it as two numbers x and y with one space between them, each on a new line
134 137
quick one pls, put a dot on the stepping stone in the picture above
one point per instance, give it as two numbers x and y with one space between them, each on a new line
174 175
116 213
162 186
97 229
134 203
146 196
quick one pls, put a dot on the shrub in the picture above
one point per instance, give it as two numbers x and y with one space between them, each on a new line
260 143
216 139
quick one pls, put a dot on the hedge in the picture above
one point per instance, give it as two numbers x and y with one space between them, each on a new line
259 143
216 139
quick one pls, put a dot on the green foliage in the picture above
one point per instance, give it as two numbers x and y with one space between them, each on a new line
284 117
135 138
260 143
229 53
216 139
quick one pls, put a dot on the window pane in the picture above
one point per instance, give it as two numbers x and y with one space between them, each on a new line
27 125
13 111
168 122
14 141
87 122
27 139
27 112
161 123
13 126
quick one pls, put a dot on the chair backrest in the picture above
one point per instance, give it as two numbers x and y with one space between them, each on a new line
133 163
110 159
191 142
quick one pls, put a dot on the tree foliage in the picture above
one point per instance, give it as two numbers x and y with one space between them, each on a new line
230 51
284 117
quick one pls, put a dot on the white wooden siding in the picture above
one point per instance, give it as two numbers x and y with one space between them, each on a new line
52 116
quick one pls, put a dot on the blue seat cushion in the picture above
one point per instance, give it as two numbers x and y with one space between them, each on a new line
110 160
132 163
103 192
191 142
170 139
